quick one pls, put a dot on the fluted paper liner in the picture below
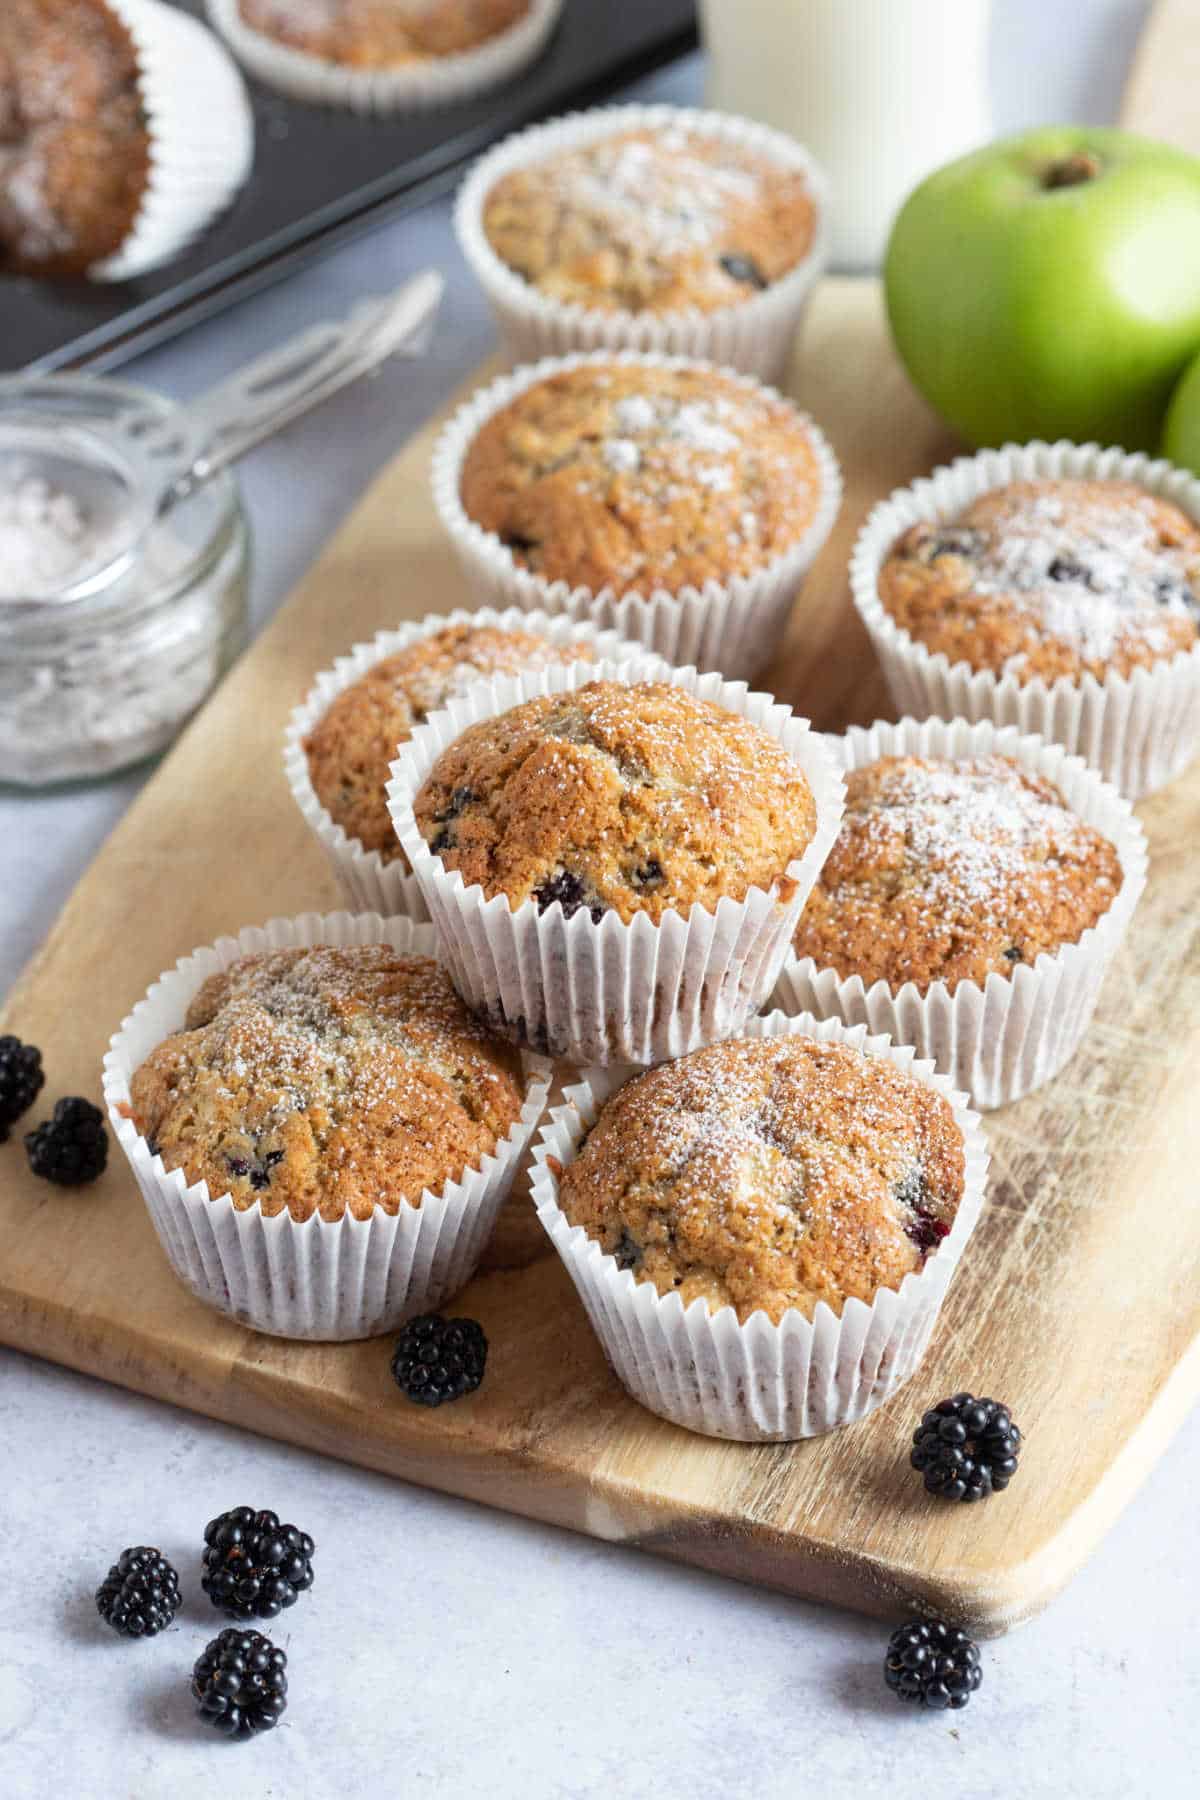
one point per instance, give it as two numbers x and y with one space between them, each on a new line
758 1381
733 626
421 84
1139 731
201 135
351 1278
369 883
754 335
609 992
1000 1040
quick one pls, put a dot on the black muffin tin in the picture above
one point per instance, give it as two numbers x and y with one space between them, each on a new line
321 175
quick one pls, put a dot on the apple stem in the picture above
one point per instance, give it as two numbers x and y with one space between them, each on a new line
1071 171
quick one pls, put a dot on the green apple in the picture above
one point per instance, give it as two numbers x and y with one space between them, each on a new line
1048 286
1181 435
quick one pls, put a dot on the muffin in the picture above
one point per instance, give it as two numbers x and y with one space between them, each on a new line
108 163
645 220
352 746
650 228
763 1231
953 870
980 885
378 55
614 862
769 1173
633 799
321 1131
1051 578
327 1081
1053 587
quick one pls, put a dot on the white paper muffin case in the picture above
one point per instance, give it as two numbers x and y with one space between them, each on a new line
609 992
430 82
733 626
352 1278
1002 1040
201 135
369 883
754 335
1139 731
757 1382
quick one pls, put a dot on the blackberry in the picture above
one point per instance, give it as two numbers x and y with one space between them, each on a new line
72 1147
932 1664
568 889
140 1594
239 1683
253 1565
439 1359
21 1080
1068 568
965 1448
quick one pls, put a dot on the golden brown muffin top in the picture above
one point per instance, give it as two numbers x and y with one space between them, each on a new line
327 1081
352 746
770 1173
625 475
951 870
630 798
382 34
1051 578
74 152
650 219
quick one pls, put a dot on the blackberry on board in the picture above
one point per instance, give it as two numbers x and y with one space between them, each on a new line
254 1566
140 1594
966 1448
439 1359
21 1079
239 1683
932 1664
71 1147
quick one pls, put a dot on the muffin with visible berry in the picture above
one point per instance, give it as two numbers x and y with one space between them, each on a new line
950 870
1051 578
762 1231
680 503
327 1081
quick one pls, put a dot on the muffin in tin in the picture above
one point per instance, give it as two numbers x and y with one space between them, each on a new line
625 798
1047 578
328 1081
769 1175
651 220
382 34
631 475
953 869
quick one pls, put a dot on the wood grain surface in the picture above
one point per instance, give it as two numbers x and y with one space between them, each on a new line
1078 1301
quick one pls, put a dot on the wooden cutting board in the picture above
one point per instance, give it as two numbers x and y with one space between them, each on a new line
1078 1301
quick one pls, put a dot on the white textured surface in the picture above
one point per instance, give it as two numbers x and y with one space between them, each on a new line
447 1650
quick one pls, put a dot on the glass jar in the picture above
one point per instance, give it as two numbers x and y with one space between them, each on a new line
91 685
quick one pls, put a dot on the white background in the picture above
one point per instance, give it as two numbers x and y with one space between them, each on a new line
448 1650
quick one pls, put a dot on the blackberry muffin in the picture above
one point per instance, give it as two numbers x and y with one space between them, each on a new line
633 475
327 1081
382 34
650 220
351 747
769 1174
74 147
952 870
631 798
1050 579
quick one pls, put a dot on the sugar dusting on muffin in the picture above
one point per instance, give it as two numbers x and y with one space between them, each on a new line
951 870
770 1174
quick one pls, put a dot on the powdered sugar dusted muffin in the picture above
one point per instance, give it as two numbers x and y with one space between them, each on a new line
951 870
74 148
327 1080
1051 578
353 744
629 475
652 220
634 798
768 1174
381 34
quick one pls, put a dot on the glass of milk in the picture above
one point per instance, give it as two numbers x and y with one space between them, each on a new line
881 92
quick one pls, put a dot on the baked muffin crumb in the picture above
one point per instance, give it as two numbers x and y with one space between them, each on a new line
382 34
